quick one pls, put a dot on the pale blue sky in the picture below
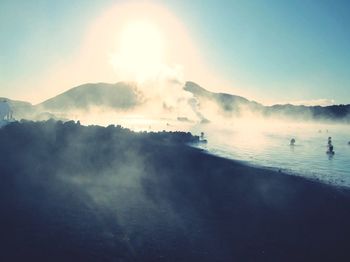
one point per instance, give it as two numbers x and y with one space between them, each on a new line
283 50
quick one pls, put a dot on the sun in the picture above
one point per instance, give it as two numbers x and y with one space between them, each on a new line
140 50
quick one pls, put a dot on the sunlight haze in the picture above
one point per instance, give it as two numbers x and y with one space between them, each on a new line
271 51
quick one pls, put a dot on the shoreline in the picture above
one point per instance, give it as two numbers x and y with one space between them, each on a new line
312 176
74 193
276 170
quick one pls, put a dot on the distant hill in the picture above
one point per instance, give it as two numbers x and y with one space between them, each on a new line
125 96
236 105
333 112
230 104
21 109
121 95
16 103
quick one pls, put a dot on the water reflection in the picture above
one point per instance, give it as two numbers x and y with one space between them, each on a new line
330 156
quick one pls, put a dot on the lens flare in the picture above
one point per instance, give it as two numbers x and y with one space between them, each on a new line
141 50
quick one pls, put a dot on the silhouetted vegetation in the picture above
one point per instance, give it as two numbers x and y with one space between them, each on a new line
93 146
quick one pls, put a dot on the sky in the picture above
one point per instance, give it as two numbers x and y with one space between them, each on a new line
269 51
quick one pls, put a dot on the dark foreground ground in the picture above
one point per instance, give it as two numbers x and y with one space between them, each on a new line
73 193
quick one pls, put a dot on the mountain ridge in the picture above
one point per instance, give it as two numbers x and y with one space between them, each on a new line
121 95
236 105
126 96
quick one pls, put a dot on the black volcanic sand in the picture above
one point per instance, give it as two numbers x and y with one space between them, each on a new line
73 193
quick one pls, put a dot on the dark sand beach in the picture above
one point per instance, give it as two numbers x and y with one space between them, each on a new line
74 193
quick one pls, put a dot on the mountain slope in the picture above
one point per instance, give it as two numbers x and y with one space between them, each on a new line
113 96
20 109
233 105
124 96
333 112
227 102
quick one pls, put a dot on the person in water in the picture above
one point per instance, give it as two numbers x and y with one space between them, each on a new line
202 138
330 146
292 142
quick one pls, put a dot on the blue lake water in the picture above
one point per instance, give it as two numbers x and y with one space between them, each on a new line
265 143
270 147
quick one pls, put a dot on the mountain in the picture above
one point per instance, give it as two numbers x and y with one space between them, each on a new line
230 104
126 96
117 96
233 105
333 112
20 105
20 109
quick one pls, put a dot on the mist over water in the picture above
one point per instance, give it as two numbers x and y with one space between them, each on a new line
264 143
270 147
232 128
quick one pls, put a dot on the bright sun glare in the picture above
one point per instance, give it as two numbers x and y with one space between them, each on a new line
140 52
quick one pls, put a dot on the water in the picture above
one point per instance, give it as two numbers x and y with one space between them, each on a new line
270 147
266 144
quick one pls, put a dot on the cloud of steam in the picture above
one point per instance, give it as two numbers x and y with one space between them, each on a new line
111 176
92 62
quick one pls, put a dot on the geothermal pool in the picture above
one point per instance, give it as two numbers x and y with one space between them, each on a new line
270 147
266 144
